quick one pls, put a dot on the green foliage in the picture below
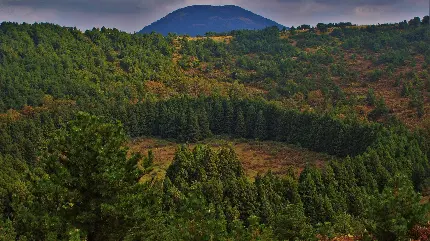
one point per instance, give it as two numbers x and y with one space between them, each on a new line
396 58
397 210
66 63
260 130
240 129
7 231
344 223
371 98
381 110
425 20
148 161
292 224
15 189
375 75
87 166
415 22
322 27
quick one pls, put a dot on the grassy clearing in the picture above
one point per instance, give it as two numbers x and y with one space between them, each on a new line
224 39
256 157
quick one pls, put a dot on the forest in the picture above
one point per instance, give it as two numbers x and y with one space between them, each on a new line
71 101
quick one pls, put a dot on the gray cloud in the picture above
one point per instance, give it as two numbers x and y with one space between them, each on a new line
132 15
93 6
359 2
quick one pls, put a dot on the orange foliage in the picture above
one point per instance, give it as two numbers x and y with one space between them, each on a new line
419 233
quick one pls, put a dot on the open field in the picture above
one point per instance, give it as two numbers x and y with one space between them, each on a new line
256 157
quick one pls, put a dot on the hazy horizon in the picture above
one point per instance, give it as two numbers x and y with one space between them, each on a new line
133 15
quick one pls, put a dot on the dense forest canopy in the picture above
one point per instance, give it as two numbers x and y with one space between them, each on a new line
71 100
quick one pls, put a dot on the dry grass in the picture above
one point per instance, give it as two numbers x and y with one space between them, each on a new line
222 39
385 88
257 157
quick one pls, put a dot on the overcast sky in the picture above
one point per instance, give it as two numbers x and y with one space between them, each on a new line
133 15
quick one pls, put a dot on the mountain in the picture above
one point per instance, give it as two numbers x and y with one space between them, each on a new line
200 19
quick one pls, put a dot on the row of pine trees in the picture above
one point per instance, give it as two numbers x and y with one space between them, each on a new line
190 120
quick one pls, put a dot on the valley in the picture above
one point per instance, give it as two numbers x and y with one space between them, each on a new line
304 133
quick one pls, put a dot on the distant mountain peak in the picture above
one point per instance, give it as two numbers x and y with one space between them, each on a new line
200 19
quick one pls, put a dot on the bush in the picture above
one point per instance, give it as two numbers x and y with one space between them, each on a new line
375 75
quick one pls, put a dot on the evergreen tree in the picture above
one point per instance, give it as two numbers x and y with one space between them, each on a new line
193 127
240 129
397 210
229 117
292 224
425 20
337 198
260 131
184 127
371 98
87 166
251 115
148 161
217 123
7 231
204 124
310 198
133 124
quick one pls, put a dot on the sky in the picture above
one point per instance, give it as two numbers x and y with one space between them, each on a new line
133 15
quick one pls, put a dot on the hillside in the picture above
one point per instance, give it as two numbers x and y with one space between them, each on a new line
201 19
312 134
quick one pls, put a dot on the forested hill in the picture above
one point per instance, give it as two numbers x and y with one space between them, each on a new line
201 19
71 102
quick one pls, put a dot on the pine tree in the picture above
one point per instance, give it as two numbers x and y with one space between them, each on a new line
148 161
371 98
250 119
204 124
183 127
310 198
217 123
240 130
142 120
292 224
229 117
88 167
193 127
397 210
132 124
162 120
338 200
7 231
260 131
327 213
